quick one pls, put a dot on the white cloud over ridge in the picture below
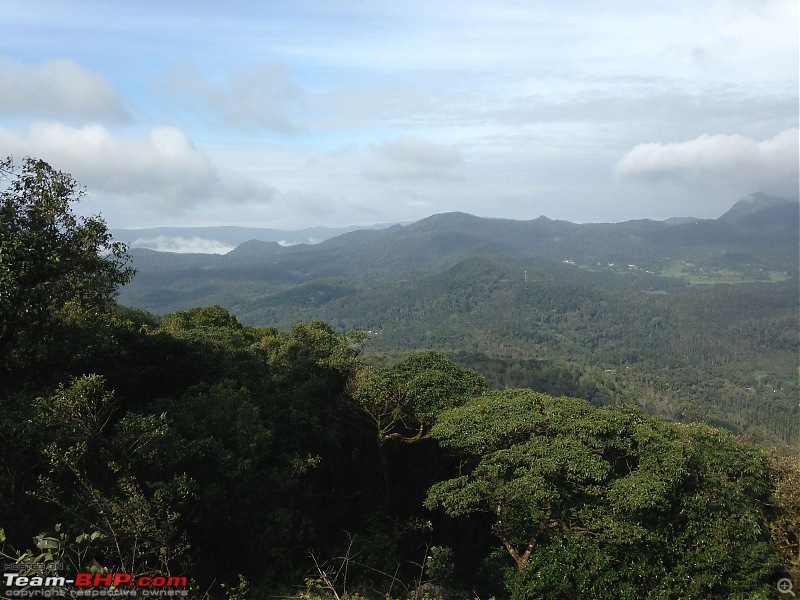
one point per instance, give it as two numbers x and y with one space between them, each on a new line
415 158
193 245
769 165
57 88
165 168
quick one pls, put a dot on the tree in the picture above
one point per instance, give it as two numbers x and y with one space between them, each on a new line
56 269
92 453
401 402
784 507
201 316
58 277
608 501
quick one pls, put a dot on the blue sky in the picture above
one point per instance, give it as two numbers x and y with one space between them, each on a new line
304 113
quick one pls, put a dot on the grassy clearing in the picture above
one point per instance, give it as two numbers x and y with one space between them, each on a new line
674 270
776 276
694 275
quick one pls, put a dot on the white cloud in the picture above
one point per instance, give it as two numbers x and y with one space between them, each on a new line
57 88
165 167
194 245
770 165
414 158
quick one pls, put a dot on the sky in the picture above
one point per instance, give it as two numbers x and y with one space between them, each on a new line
337 113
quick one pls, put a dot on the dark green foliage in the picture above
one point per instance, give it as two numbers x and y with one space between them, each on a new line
210 316
608 501
270 459
725 354
58 272
784 508
432 383
401 402
90 474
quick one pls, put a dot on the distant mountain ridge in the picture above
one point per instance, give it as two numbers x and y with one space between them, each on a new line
758 235
168 239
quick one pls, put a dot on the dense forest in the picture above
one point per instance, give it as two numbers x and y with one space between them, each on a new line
692 320
318 460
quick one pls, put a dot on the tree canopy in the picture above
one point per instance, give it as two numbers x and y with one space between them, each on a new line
56 269
608 501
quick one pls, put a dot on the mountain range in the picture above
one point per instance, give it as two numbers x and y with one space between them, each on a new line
757 236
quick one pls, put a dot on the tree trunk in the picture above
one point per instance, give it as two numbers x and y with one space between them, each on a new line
385 472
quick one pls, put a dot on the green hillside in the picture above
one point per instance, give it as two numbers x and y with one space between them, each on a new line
692 320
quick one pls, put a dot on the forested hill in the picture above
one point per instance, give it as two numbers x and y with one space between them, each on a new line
641 311
751 236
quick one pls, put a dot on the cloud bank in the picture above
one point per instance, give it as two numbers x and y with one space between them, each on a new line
165 167
194 245
770 165
57 88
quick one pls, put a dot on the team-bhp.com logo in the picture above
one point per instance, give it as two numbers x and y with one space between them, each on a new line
95 585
